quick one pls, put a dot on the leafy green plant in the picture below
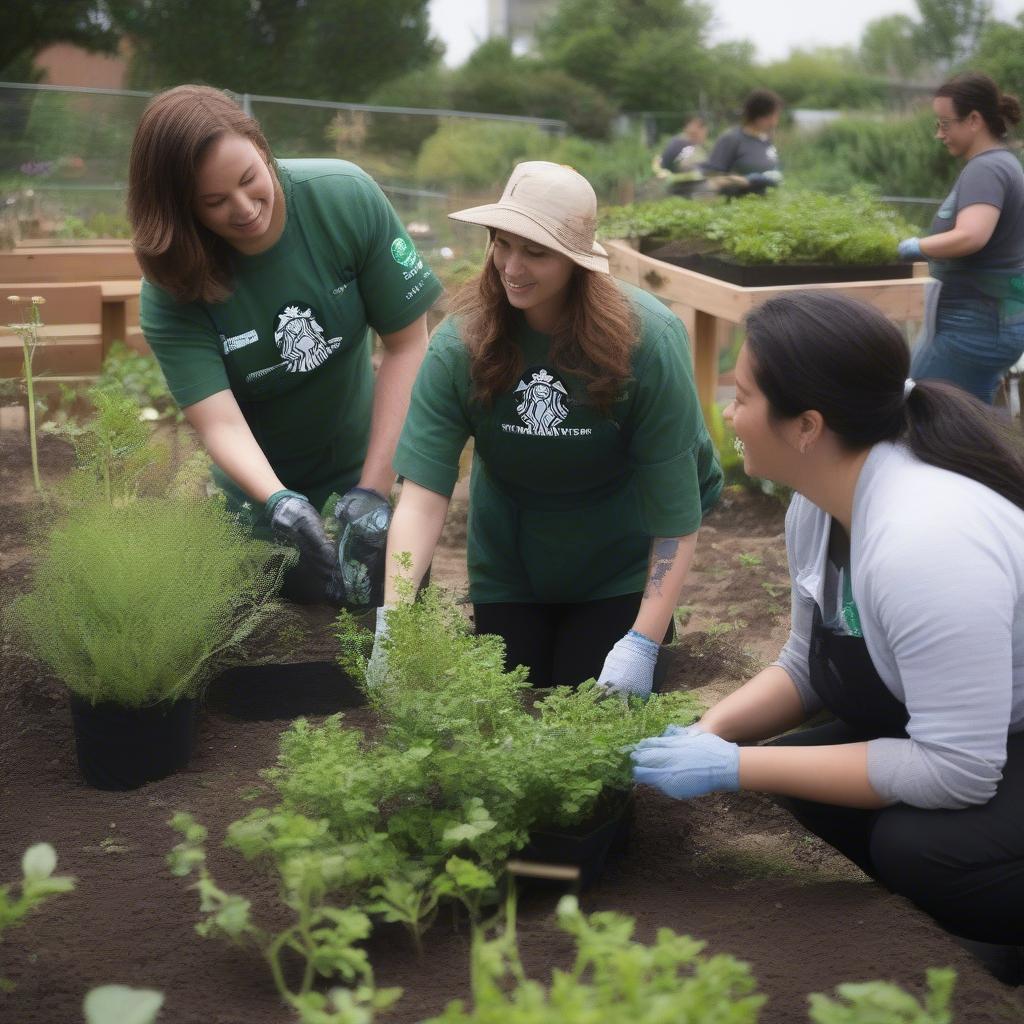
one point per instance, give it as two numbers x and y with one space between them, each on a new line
38 884
140 377
119 1004
140 602
322 936
880 1002
27 329
786 226
614 977
114 449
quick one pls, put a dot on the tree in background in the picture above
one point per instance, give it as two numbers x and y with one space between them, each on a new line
892 46
1000 54
319 49
825 78
646 54
27 26
951 29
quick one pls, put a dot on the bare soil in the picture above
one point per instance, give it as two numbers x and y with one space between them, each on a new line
733 870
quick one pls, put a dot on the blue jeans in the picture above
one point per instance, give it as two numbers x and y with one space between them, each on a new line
973 344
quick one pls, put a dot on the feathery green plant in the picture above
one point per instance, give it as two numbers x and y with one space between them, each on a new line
138 603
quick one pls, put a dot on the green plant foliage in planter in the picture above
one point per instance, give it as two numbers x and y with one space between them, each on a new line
785 227
431 806
133 605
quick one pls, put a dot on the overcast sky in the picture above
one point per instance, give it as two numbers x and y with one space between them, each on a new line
775 26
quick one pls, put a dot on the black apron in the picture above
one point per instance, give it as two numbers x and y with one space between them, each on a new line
845 680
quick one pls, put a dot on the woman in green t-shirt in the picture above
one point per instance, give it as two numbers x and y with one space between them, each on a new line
592 465
263 279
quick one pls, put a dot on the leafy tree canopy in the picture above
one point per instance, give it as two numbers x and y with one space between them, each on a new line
27 26
321 49
1000 54
892 46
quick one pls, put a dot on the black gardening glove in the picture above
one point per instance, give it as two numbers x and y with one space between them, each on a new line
363 520
295 522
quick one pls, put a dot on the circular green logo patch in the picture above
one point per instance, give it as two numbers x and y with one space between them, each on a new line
403 253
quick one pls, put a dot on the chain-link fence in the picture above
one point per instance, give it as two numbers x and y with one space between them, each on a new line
64 157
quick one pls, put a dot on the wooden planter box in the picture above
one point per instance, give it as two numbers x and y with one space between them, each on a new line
769 275
709 306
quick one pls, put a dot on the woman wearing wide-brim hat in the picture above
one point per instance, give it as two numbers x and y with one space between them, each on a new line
592 466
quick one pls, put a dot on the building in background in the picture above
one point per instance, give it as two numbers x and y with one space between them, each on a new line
517 20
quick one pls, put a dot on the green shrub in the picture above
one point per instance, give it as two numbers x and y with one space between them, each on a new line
140 377
897 156
139 602
479 154
786 226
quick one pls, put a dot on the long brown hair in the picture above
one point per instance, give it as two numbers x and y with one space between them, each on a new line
175 251
845 359
594 338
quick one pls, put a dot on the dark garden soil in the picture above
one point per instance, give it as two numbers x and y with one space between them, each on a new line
732 870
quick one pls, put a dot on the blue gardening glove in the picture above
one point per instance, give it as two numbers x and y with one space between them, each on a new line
910 249
295 522
629 667
377 666
687 763
363 520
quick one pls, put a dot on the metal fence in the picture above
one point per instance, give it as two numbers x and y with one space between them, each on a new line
64 156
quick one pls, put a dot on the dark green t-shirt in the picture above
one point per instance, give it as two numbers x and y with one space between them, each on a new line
564 501
293 340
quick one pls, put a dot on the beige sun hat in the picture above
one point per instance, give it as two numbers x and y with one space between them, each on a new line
550 204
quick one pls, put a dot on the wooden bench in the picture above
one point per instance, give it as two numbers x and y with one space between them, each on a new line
69 264
71 338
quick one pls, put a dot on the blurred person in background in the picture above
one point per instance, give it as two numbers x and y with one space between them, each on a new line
744 159
974 322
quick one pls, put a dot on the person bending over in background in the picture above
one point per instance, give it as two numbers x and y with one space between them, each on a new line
974 323
263 279
746 155
592 466
906 553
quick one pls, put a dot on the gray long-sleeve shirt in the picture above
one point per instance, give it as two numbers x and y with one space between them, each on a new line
937 567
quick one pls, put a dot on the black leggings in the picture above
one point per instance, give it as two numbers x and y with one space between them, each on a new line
963 867
561 644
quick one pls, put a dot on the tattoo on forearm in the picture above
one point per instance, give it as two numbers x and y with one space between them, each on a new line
663 558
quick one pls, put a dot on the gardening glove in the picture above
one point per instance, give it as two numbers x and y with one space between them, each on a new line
377 666
686 764
363 520
629 667
910 249
295 522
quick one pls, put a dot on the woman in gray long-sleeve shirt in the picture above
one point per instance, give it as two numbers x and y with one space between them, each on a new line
906 548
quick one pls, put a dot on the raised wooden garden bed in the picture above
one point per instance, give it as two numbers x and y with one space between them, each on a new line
708 306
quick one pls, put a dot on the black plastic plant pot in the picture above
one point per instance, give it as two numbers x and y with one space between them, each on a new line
587 846
124 748
264 693
768 275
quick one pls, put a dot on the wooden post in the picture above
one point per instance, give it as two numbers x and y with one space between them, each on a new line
705 360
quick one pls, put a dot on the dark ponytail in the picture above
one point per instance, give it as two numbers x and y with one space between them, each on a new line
975 91
846 360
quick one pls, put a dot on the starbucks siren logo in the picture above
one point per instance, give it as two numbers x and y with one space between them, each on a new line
301 340
403 252
542 404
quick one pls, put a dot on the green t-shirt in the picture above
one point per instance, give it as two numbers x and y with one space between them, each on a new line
293 340
564 501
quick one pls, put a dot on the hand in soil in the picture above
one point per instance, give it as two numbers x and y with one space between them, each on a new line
687 764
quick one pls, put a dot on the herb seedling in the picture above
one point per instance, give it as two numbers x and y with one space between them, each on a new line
27 330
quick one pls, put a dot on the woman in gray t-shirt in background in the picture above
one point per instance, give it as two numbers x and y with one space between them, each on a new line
976 246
